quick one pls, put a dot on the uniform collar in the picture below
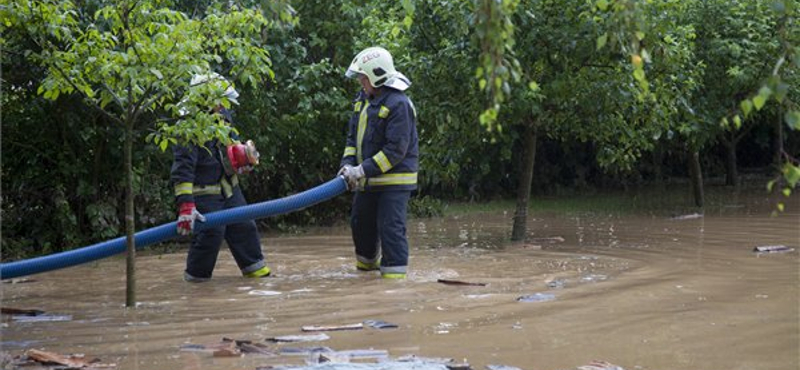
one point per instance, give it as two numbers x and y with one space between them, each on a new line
378 100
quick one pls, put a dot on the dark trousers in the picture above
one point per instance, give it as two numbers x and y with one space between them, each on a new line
378 222
243 238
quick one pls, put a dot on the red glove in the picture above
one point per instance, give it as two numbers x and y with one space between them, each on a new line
187 214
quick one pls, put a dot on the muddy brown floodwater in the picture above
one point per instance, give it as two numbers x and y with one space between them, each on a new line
639 291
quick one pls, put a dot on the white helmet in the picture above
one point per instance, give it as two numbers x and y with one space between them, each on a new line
220 82
378 66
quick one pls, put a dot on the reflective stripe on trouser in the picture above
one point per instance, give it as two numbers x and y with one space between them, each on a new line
243 239
378 223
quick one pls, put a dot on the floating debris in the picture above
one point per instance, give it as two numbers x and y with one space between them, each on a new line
20 311
772 249
358 326
333 357
537 297
379 324
600 365
76 361
264 292
556 283
229 348
300 338
691 216
448 363
363 354
305 351
458 282
41 318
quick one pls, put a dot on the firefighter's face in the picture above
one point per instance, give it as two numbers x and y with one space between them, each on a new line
364 81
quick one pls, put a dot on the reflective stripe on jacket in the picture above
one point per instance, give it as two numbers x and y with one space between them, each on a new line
382 137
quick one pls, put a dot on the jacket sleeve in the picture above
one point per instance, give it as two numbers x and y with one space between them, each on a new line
349 155
399 127
182 172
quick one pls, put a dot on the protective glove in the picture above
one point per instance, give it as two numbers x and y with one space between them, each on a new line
344 170
353 175
187 214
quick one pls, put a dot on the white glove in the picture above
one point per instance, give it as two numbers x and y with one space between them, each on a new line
353 175
344 170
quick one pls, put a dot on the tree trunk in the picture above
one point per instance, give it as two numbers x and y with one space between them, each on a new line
526 179
732 176
658 163
130 294
778 143
696 174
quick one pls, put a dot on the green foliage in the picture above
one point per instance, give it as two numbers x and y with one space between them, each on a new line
425 207
497 68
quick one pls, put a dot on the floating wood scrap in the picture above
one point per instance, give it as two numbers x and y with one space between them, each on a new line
343 357
230 348
358 326
380 324
20 311
305 351
772 249
459 282
70 361
300 338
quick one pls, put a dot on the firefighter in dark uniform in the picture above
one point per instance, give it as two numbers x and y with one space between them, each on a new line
205 180
380 163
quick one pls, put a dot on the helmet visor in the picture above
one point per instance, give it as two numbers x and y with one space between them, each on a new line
351 73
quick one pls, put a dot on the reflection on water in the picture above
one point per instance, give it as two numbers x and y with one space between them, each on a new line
644 292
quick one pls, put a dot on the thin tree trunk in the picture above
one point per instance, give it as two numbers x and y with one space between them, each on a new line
526 179
130 294
658 163
778 143
696 174
732 176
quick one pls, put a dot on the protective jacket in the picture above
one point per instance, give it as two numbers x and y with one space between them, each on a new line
198 170
199 176
382 137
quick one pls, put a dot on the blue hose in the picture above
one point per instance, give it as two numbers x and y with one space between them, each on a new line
168 231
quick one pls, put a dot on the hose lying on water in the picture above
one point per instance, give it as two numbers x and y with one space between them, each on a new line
168 231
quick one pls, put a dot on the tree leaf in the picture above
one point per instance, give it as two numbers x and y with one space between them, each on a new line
759 101
601 41
746 106
793 119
